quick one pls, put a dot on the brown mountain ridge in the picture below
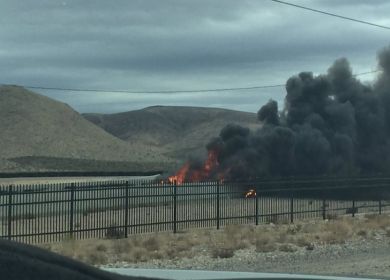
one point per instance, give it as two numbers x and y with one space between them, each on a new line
36 127
42 134
176 131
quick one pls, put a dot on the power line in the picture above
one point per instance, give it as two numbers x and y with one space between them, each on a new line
331 14
365 73
157 91
168 91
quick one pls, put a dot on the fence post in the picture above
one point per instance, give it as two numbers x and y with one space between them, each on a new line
218 198
126 223
292 209
175 207
353 208
323 209
9 212
380 207
257 207
71 209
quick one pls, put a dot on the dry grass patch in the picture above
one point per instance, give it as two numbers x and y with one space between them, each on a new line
303 241
362 233
222 252
287 247
335 232
374 221
265 243
230 239
225 242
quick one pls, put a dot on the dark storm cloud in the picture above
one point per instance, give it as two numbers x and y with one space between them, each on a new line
149 45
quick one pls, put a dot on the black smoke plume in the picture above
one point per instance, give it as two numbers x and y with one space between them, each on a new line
330 124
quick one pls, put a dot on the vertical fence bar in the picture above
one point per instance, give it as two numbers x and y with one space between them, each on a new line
380 207
257 207
9 212
175 207
323 209
218 199
353 208
292 209
126 222
71 209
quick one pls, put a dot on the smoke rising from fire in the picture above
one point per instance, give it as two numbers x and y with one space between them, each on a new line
330 124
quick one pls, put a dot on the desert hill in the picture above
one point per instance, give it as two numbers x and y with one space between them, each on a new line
35 127
178 132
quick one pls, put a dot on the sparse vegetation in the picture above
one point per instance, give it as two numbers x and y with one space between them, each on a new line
362 233
221 252
264 243
305 235
84 147
287 247
388 232
331 216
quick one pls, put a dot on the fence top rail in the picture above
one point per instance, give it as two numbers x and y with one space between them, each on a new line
288 184
56 174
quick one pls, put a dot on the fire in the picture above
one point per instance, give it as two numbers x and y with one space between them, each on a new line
250 193
180 176
186 174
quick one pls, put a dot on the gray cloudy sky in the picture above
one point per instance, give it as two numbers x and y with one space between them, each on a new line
180 45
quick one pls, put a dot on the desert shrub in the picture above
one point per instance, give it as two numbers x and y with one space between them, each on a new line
172 252
376 221
232 230
122 246
287 247
221 252
235 237
282 237
101 248
336 232
309 227
294 229
138 255
362 233
310 247
264 244
151 244
369 216
302 241
94 257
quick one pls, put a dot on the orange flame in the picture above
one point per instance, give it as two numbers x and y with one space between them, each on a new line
180 176
186 174
250 193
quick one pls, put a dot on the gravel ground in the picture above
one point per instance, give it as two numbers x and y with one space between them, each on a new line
354 258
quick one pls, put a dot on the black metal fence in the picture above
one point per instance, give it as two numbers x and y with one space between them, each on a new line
54 212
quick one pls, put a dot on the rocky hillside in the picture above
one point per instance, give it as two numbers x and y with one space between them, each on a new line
35 126
177 132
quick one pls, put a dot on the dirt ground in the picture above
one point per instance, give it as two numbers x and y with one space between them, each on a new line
344 246
371 259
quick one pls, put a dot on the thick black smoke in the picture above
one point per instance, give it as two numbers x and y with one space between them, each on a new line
331 124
